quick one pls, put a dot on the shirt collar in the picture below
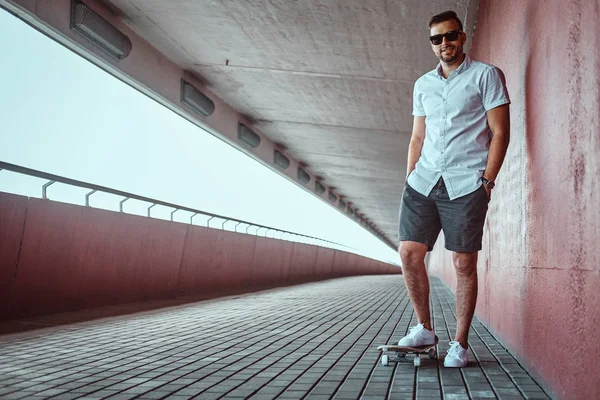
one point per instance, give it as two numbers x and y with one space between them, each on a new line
461 68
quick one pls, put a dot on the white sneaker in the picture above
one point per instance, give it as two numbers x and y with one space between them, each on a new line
418 336
457 356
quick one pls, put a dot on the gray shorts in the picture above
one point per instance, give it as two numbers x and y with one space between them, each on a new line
462 219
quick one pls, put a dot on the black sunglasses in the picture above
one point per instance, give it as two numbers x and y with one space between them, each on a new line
450 36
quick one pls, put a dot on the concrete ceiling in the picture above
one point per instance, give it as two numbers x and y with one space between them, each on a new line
330 80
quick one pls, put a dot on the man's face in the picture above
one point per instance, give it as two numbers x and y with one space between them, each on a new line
448 51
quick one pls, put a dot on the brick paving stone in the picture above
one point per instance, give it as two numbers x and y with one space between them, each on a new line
512 397
16 395
483 393
402 389
456 396
535 395
530 388
428 385
508 391
292 395
485 386
122 396
318 338
322 390
455 389
399 396
427 393
503 383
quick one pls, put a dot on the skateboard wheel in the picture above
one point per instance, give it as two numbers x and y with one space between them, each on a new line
432 354
385 360
401 355
417 361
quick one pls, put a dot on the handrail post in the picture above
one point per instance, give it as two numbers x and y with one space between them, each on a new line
45 188
121 204
87 197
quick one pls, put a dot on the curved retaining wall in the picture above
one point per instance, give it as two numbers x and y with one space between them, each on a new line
539 271
57 257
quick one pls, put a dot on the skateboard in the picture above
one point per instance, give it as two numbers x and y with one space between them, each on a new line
402 351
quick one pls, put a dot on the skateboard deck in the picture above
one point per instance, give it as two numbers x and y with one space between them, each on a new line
402 351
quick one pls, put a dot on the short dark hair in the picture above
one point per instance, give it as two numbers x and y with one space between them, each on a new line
445 16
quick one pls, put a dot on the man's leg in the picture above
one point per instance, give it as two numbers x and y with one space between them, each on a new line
463 220
419 228
412 255
465 265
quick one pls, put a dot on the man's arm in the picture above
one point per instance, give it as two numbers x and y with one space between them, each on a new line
416 143
499 122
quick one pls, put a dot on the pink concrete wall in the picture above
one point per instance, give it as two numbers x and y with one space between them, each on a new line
324 263
13 210
75 257
304 260
539 271
57 257
215 261
270 261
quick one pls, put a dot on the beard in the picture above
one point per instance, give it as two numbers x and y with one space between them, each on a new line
449 59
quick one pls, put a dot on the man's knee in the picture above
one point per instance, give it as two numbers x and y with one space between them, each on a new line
465 263
412 254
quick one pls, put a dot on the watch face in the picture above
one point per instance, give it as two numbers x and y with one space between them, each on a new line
488 184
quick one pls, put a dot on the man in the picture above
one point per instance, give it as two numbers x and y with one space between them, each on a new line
459 140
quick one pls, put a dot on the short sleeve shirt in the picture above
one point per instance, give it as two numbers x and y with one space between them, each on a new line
457 135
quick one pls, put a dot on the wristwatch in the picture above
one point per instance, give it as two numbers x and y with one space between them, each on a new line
488 184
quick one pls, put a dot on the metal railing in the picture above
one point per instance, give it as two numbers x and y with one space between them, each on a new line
52 179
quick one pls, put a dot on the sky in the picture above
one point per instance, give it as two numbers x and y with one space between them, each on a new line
61 114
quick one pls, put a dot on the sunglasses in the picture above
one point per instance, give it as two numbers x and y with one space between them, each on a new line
450 36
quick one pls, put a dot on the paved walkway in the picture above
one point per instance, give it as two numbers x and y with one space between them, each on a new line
313 341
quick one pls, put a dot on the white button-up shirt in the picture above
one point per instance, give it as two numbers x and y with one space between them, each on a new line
457 135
